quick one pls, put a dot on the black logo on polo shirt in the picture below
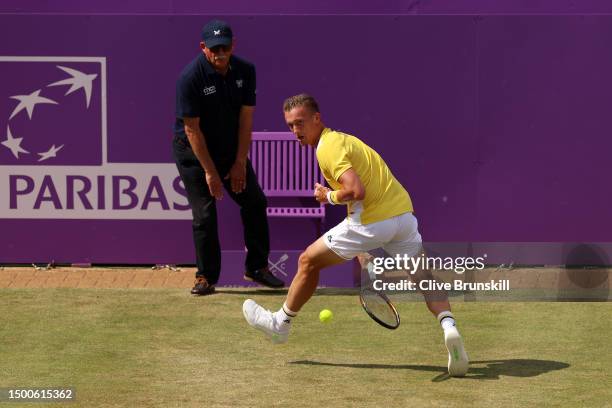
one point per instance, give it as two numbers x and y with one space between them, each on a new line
329 238
209 90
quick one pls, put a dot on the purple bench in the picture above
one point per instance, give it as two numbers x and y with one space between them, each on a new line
286 169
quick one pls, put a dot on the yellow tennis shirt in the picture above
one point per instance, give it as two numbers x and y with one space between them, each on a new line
384 198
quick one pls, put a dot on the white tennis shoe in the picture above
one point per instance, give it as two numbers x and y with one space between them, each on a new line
263 320
458 362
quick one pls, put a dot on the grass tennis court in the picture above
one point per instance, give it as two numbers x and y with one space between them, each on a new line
164 348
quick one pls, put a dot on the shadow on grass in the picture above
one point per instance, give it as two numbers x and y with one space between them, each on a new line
479 370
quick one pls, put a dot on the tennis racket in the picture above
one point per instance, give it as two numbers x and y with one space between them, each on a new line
378 306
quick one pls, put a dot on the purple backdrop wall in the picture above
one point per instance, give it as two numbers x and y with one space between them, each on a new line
311 7
497 125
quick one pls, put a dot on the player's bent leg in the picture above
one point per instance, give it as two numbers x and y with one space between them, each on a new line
316 257
408 242
438 304
276 325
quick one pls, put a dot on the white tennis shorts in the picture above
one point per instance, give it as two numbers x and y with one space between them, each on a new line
396 235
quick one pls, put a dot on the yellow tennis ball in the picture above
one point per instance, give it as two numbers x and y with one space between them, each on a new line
325 316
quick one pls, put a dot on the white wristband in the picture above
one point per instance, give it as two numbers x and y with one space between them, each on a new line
329 200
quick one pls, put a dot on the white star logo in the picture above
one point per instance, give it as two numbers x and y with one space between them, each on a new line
77 81
217 32
13 143
52 152
28 102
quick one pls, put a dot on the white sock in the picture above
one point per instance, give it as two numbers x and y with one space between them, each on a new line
446 319
284 315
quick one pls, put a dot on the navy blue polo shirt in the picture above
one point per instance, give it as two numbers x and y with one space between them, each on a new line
216 100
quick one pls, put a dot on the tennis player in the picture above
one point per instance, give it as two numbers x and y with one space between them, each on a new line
379 216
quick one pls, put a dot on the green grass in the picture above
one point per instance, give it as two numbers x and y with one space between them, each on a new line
164 348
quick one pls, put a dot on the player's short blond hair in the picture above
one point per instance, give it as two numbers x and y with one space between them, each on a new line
301 100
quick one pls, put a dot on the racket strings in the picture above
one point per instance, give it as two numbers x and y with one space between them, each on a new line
380 308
